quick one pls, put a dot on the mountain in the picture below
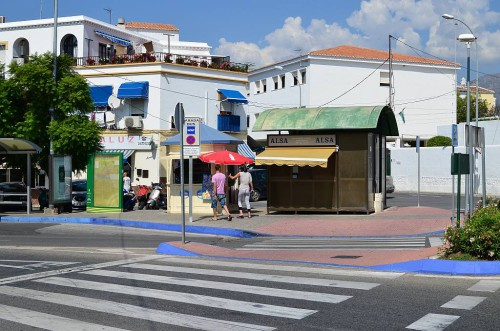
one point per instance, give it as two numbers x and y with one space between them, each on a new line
491 82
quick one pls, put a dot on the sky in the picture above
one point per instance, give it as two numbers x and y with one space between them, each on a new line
266 31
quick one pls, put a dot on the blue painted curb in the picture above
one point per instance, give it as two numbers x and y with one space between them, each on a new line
446 267
137 224
166 248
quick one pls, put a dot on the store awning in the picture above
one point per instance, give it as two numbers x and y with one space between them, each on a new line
378 119
126 152
18 146
113 38
296 156
101 94
208 135
245 150
134 90
232 96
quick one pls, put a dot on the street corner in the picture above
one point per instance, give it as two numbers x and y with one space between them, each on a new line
171 249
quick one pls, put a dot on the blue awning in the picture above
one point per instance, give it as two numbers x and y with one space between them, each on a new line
100 95
208 135
232 96
134 90
126 152
113 38
245 150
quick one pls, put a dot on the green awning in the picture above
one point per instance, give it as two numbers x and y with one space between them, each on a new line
378 119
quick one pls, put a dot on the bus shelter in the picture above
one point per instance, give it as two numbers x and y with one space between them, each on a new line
326 159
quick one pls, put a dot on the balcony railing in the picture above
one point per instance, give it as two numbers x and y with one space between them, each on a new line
213 62
229 123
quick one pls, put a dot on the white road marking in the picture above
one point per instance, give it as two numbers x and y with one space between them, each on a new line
49 322
122 309
257 290
261 277
21 278
433 322
202 300
463 302
256 266
435 241
486 286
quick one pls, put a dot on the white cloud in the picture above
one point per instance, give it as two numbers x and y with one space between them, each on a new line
416 22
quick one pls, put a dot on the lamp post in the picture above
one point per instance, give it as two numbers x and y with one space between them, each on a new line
468 39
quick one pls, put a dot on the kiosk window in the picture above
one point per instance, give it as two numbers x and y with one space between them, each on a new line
199 169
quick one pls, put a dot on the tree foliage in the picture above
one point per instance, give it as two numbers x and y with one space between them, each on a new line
27 98
462 109
439 141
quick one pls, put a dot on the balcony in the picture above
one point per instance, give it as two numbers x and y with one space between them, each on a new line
228 123
212 62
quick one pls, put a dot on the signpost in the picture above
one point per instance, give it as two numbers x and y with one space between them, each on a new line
454 143
191 147
417 144
179 122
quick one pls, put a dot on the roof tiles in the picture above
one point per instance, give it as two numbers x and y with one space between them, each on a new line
354 52
150 26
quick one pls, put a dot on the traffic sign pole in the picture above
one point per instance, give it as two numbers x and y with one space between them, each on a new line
192 148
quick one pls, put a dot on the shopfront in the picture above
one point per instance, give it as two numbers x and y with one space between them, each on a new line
326 159
211 140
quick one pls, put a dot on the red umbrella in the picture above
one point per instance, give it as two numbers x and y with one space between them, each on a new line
225 157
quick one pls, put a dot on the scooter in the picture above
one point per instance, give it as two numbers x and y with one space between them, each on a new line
129 200
143 196
156 199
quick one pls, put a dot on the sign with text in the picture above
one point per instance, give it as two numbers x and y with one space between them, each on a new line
191 144
126 142
301 140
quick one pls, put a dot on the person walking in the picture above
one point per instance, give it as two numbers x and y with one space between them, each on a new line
126 182
219 193
244 189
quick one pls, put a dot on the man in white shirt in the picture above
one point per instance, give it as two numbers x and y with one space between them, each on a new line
126 182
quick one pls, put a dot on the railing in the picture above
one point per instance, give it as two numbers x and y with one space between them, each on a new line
27 202
212 62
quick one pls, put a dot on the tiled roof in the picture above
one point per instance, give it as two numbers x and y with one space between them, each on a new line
150 26
354 52
482 90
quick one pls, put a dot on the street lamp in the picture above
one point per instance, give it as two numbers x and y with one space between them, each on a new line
468 39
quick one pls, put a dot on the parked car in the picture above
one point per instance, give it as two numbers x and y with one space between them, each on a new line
13 201
259 180
389 184
79 194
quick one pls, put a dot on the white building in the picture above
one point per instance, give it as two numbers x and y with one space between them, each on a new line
137 73
423 89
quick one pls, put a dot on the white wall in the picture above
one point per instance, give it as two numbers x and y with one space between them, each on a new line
435 167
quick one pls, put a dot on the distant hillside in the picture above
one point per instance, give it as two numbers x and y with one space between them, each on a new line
491 82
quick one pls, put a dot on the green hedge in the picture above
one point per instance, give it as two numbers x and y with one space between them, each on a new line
439 141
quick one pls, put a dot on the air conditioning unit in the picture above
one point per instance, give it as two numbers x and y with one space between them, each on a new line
133 122
3 19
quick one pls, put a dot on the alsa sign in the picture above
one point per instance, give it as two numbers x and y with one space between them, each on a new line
301 140
127 142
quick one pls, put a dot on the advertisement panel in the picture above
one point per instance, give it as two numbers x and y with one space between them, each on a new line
105 183
60 182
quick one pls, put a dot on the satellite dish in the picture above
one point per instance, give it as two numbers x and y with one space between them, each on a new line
114 102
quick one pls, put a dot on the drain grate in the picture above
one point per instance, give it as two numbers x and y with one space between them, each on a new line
346 257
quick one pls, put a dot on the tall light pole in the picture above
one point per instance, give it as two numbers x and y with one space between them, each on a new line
468 39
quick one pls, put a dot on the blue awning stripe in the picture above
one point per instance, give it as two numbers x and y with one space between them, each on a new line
133 90
126 152
100 95
245 150
113 38
232 96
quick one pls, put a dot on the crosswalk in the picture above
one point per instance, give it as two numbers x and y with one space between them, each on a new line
165 282
172 292
344 244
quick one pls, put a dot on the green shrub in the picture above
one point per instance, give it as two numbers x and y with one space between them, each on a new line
480 237
439 141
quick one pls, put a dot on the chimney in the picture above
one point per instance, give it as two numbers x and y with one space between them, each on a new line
121 23
3 19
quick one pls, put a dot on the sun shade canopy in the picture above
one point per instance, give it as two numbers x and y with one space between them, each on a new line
378 119
295 156
100 95
134 90
232 96
113 38
18 146
208 135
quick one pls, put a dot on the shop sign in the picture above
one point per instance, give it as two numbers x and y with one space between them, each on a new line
301 140
127 142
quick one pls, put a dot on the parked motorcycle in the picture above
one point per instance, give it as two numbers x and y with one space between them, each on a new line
143 196
156 199
129 200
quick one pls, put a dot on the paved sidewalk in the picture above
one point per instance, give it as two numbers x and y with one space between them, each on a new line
395 221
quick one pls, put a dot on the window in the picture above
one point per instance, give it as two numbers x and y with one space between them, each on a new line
303 76
384 78
200 168
295 79
143 173
275 81
137 107
69 45
248 121
3 46
257 87
282 78
264 86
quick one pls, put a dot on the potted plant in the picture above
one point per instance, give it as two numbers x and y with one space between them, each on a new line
204 64
168 58
90 61
179 60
